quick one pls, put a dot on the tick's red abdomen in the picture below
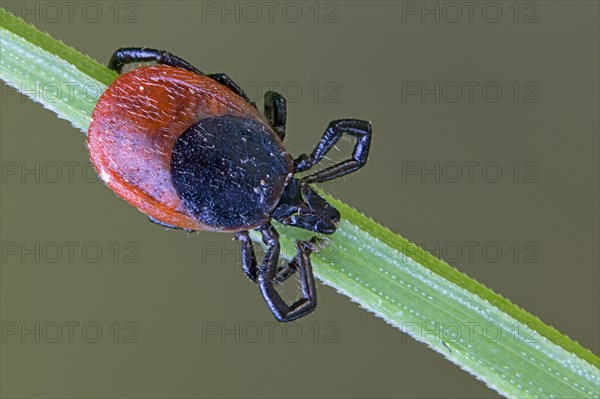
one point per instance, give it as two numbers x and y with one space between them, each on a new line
135 126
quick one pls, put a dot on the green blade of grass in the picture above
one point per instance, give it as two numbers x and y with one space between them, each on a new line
50 72
509 349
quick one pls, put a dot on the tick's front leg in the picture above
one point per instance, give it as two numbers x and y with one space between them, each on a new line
248 257
267 277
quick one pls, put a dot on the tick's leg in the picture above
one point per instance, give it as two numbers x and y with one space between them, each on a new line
275 111
168 226
248 257
267 278
158 222
283 273
128 55
249 266
336 129
226 81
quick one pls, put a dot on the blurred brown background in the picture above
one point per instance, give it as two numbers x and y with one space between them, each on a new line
485 151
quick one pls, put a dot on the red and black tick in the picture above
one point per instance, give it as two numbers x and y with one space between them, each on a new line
192 152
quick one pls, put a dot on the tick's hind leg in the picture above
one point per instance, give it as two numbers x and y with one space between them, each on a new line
336 129
128 55
267 278
226 81
275 111
168 226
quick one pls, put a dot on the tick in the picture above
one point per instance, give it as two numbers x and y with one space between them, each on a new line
191 151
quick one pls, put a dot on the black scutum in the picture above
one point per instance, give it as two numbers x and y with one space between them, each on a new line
230 171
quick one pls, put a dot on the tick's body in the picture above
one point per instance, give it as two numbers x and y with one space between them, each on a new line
242 166
193 153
